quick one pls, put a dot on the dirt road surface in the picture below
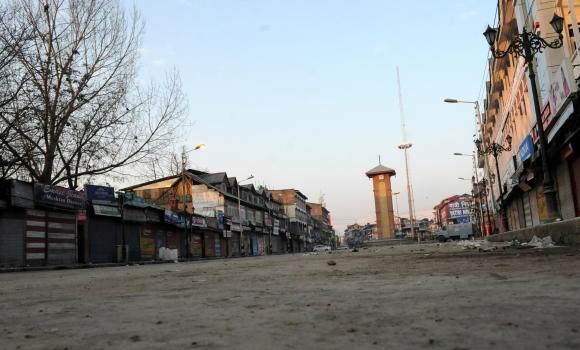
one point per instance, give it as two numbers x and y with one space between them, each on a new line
403 297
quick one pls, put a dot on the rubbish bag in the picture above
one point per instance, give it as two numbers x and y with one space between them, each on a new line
545 242
167 254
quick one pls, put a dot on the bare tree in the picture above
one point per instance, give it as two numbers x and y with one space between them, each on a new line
81 112
170 164
13 36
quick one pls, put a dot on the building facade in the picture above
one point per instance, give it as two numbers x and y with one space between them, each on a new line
517 189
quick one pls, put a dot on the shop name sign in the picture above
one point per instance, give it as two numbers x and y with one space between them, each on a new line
560 90
198 221
100 194
56 196
458 209
526 149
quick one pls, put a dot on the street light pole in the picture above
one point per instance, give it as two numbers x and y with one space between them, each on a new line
183 181
479 121
478 192
405 147
396 194
526 45
496 149
240 215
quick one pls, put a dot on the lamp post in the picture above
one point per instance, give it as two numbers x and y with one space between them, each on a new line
527 45
183 180
495 149
475 180
405 147
479 219
484 193
240 214
479 121
396 194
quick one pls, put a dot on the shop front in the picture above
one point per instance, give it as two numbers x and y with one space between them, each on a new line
103 227
196 239
233 231
51 229
143 230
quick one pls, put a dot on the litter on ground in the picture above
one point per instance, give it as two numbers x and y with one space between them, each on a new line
545 242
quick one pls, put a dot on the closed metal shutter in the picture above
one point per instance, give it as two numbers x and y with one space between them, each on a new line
12 233
35 237
196 245
103 239
235 244
61 238
209 244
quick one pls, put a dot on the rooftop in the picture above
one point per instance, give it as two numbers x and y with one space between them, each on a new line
380 169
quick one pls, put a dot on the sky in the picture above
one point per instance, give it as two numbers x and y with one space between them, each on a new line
303 93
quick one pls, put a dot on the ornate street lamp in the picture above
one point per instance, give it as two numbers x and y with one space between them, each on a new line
527 45
496 149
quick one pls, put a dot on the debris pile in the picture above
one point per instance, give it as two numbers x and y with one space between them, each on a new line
536 242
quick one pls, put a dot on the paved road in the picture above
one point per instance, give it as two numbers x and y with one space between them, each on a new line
405 297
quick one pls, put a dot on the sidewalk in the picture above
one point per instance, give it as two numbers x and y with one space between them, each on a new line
565 232
99 265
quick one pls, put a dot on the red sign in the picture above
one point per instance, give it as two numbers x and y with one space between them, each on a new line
547 119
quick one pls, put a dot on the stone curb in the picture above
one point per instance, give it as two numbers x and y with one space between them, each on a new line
565 232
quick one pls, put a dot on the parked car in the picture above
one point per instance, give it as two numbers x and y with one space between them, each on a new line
321 248
455 232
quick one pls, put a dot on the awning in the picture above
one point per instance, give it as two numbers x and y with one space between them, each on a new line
106 210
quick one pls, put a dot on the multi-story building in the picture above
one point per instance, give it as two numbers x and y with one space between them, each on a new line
517 181
295 207
454 210
356 234
323 231
238 223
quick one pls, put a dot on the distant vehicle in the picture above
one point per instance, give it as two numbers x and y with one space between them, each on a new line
321 248
455 232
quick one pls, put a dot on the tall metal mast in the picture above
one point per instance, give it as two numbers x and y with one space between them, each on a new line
405 147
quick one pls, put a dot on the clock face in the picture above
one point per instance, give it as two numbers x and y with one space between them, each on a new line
381 177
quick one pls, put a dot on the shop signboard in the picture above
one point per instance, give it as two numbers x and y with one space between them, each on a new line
526 149
174 218
82 215
561 88
100 194
152 215
106 210
198 221
235 227
220 219
459 211
58 197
